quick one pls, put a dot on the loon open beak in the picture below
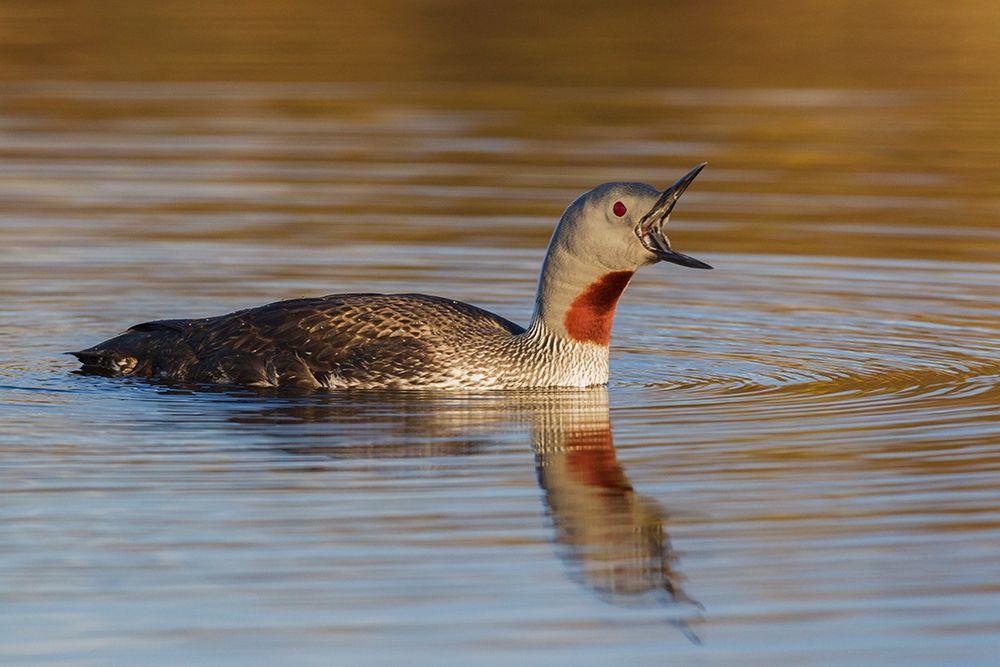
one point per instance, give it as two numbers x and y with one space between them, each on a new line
650 228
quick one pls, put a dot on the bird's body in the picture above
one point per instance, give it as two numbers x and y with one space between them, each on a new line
351 341
412 341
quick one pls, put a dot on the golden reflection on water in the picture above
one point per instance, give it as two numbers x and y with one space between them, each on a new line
868 174
772 44
844 129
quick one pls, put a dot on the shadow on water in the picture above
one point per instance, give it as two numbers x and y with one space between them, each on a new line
612 539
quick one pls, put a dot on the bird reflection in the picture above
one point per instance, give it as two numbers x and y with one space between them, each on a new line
612 539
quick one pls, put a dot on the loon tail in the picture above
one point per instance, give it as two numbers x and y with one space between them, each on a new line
133 351
105 361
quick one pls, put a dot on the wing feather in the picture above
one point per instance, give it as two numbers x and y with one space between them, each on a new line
335 340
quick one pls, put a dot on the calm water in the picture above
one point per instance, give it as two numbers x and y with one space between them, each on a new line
797 460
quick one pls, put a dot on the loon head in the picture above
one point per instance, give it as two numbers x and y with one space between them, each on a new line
603 237
620 225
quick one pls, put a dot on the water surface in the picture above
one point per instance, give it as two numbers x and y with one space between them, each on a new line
796 461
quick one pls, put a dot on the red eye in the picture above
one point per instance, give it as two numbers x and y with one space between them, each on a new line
619 209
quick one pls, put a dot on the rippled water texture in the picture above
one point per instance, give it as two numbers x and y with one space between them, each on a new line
796 462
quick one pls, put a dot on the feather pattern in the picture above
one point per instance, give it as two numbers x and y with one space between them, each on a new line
341 341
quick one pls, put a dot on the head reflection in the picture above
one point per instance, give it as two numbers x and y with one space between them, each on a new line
612 539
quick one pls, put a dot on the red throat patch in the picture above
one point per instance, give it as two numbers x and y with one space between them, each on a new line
591 460
590 315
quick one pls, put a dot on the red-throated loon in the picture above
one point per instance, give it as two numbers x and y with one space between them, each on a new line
415 341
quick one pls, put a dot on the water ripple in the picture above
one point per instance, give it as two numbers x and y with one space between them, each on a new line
804 440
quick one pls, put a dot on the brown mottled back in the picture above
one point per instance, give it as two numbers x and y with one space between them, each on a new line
336 340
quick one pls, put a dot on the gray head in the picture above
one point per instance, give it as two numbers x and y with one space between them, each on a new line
620 225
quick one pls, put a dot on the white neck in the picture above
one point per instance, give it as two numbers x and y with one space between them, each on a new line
577 297
574 310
